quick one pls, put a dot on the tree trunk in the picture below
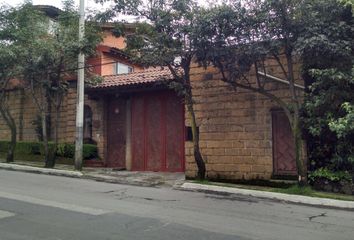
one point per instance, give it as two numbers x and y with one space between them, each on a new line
20 123
10 122
45 139
300 155
56 135
196 149
188 96
12 146
48 114
296 128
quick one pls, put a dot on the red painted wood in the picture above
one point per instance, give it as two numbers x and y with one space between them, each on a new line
116 133
138 133
158 132
94 163
174 134
283 145
154 142
163 99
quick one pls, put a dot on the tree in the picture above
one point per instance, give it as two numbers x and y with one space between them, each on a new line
344 125
327 51
10 51
8 69
36 70
347 3
240 37
165 39
243 35
327 120
49 57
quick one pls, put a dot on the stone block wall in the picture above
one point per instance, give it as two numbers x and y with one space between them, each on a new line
24 111
235 126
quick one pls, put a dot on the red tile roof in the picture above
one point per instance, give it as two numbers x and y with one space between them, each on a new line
136 78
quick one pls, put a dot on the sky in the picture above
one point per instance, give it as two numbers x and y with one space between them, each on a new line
56 3
89 5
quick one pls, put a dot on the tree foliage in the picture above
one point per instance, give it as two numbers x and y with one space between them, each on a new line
240 37
48 58
327 50
10 52
165 38
344 125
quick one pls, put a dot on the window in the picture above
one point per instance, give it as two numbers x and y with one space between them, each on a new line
120 68
87 123
189 134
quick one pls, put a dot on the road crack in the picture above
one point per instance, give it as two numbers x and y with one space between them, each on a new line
317 216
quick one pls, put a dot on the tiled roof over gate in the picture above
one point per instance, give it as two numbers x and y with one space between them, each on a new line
136 78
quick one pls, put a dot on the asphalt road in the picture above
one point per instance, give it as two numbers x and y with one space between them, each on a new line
39 207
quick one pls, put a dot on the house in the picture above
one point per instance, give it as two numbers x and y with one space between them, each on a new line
139 124
243 135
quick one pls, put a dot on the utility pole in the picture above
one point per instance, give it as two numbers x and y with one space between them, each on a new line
80 93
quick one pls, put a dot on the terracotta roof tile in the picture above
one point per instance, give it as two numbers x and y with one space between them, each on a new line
135 78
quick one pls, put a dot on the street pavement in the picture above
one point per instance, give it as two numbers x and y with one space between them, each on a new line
34 206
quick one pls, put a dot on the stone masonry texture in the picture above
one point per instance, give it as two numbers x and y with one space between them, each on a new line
25 112
235 126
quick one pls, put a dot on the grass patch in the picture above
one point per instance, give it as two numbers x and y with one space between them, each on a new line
308 191
293 189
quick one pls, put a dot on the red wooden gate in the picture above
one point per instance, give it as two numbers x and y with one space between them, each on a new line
283 145
116 133
157 132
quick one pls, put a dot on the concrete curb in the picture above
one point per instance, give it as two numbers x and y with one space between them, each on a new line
110 179
322 202
48 171
76 174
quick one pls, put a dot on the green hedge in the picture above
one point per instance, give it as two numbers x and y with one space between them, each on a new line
65 150
68 150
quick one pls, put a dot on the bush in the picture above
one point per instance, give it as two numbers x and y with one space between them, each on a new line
65 150
4 145
325 173
50 148
90 151
30 148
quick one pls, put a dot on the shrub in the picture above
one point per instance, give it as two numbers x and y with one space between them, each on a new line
27 148
50 148
22 147
4 146
90 151
65 150
325 173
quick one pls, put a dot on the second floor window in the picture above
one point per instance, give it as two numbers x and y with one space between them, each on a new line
120 68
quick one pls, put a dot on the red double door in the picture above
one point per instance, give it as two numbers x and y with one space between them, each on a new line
157 132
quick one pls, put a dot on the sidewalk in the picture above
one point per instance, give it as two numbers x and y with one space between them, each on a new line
291 198
145 179
175 180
